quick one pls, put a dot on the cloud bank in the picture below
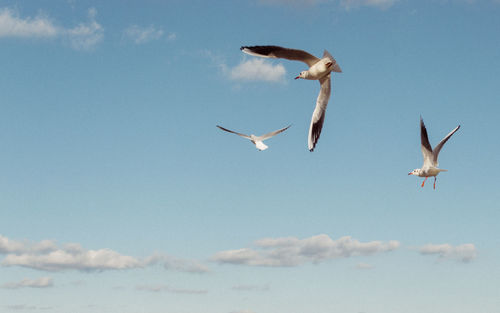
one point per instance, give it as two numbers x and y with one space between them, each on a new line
46 255
464 253
291 251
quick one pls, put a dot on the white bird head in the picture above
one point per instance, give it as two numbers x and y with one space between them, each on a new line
415 172
303 75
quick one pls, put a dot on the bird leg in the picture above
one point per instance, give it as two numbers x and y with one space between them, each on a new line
424 181
435 182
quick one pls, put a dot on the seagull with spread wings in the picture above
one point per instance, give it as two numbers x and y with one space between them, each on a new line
319 69
430 167
257 140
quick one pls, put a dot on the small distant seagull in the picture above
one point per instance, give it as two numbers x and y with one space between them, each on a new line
430 156
257 140
319 69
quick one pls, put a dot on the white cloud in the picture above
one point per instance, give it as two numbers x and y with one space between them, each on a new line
85 36
291 251
258 70
43 282
8 246
464 253
381 4
11 25
46 255
165 288
141 35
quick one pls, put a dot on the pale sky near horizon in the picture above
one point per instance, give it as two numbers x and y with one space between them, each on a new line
119 194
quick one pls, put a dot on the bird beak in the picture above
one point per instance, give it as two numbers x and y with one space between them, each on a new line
409 173
297 77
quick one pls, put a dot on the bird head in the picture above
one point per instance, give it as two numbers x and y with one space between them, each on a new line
303 75
415 172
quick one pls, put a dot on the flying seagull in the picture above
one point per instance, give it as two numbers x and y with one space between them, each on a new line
430 156
257 140
319 69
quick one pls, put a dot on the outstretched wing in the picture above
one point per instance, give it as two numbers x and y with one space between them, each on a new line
440 145
280 52
318 116
274 133
425 145
230 131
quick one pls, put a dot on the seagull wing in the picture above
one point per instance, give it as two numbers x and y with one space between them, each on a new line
440 145
425 145
274 133
230 131
280 52
318 116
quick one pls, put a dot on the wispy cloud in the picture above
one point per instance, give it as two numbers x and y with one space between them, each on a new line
165 288
46 255
84 36
258 70
43 282
464 253
141 35
291 251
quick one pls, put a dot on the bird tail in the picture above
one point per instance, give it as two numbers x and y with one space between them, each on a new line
336 67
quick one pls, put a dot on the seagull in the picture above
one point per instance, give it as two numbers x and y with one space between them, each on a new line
319 69
257 140
430 156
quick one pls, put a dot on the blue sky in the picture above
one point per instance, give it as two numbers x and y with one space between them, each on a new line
119 194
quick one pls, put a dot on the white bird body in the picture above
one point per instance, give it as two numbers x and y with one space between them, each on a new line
260 145
319 69
257 140
430 166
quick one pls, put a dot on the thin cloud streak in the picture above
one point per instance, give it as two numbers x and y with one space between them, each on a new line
165 288
42 282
